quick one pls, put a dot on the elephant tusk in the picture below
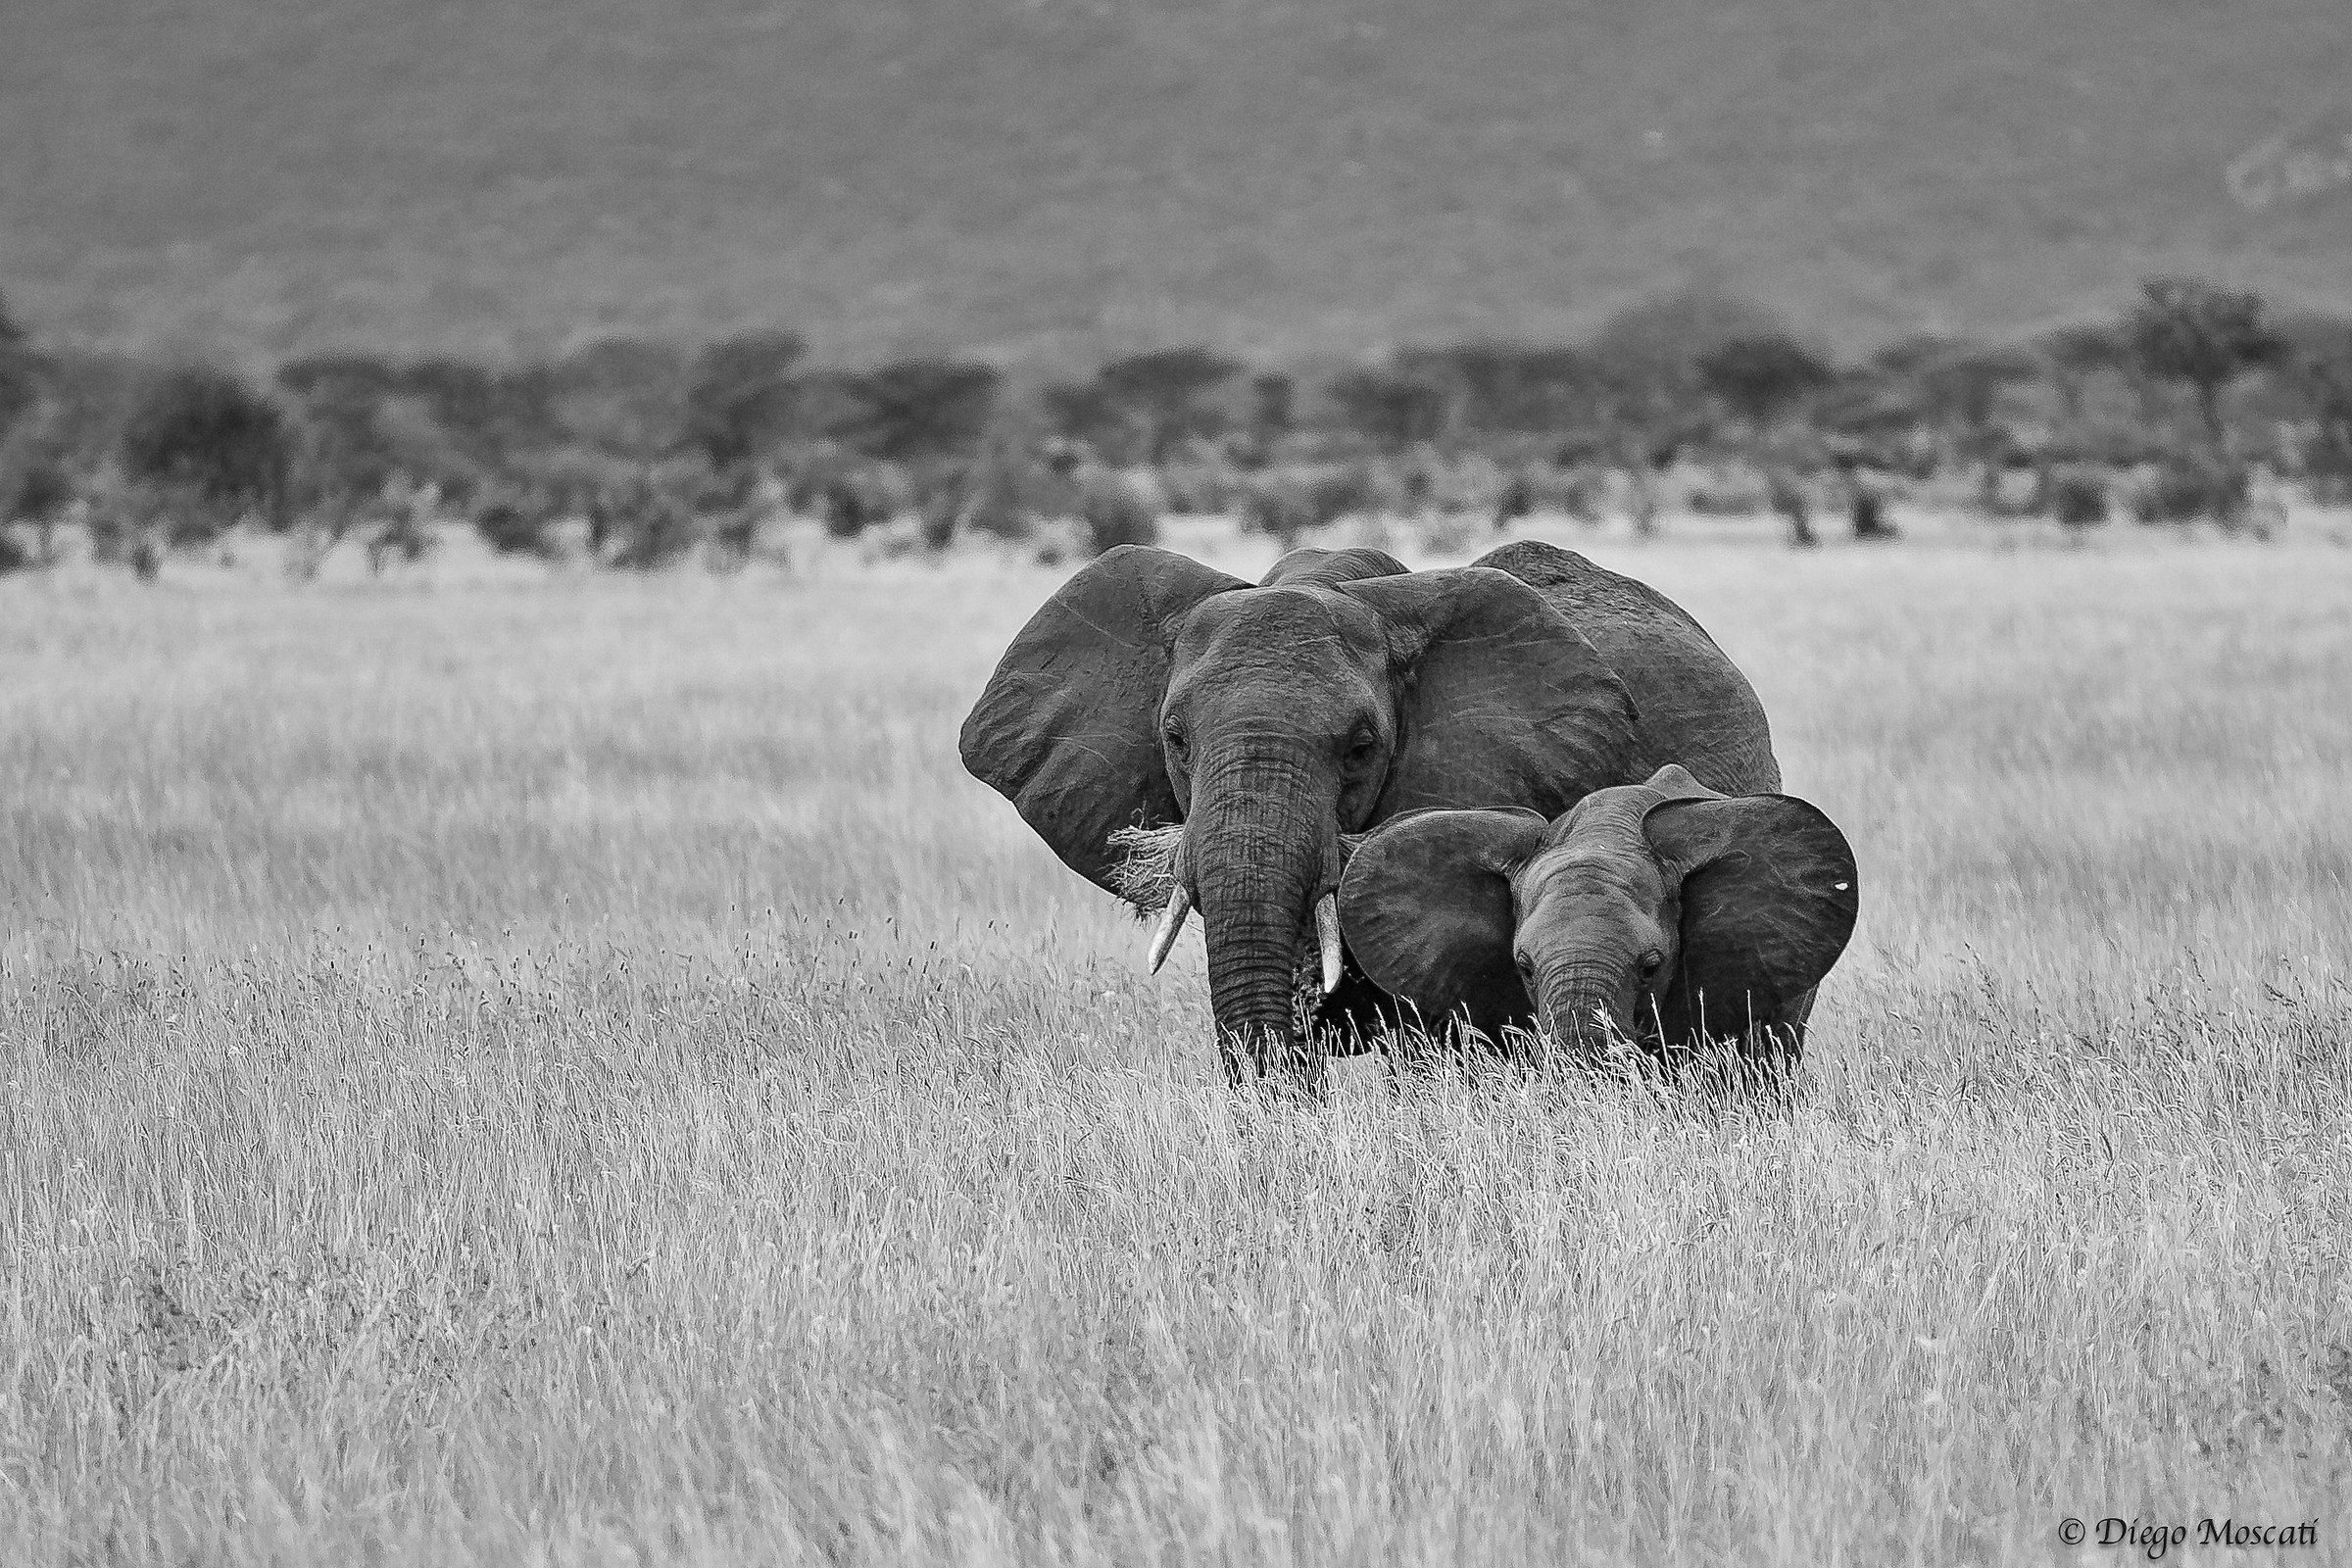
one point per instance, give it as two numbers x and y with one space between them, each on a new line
1327 931
1180 905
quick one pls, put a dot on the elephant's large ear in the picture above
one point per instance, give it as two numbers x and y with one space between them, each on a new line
1768 898
1425 905
1501 700
1068 729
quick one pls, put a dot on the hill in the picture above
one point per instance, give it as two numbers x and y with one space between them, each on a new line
1048 178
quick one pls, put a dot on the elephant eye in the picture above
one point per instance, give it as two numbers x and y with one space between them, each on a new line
1527 965
1652 961
1176 741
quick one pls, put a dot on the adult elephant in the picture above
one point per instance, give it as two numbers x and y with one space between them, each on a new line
1339 692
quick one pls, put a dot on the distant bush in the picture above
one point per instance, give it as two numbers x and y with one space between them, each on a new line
511 527
1284 503
1280 506
21 385
2319 370
1540 487
1086 414
1646 358
2079 351
1469 481
441 420
940 492
404 537
1006 491
1516 500
1392 407
37 485
653 524
21 371
2186 329
741 398
1762 378
1520 387
852 497
210 438
1196 489
1730 490
1449 533
912 410
2075 496
1165 391
2189 490
1273 409
622 395
127 521
1116 511
43 490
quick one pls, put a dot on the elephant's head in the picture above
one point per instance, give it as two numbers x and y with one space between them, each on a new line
1663 909
1271 719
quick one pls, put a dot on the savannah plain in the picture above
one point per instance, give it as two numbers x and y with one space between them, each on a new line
511 1066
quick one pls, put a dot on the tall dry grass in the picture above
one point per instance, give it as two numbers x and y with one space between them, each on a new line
573 1072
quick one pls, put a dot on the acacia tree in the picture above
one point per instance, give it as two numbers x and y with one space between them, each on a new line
1517 388
346 452
2076 353
1394 408
1645 362
625 396
1166 390
1959 390
914 410
35 484
205 434
2188 330
20 370
1085 413
1761 379
1273 406
2320 365
741 399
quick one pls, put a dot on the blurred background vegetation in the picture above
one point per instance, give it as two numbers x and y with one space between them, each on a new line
605 280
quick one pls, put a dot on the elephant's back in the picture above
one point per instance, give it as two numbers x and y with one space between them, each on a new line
1694 705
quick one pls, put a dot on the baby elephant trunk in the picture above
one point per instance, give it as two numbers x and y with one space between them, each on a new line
1583 1006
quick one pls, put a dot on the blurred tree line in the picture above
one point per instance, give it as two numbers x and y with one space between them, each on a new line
648 453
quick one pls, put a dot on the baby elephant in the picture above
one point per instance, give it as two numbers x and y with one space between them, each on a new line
1664 910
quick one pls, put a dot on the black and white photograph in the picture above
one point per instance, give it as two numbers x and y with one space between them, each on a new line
1068 782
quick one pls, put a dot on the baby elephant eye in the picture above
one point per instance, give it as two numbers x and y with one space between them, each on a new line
1652 961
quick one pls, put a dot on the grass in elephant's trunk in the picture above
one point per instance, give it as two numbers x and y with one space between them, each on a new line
1146 878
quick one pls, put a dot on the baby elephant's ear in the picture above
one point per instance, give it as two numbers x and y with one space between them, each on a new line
1426 908
1768 898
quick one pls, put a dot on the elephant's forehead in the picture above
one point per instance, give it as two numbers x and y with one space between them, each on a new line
1598 847
1605 816
1282 622
1591 866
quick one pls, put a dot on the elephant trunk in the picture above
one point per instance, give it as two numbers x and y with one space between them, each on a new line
1261 854
1581 1006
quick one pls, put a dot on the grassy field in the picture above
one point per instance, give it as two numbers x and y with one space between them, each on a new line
570 1070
